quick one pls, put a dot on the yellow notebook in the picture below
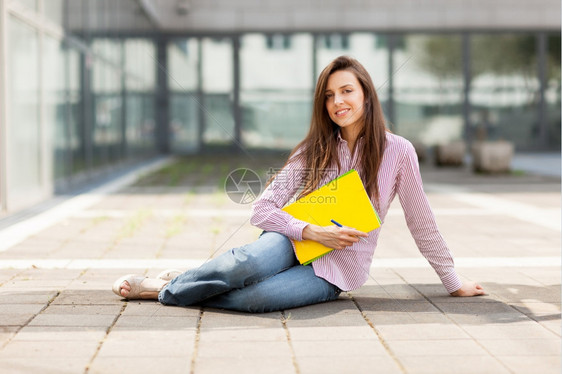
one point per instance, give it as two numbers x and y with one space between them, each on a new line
344 200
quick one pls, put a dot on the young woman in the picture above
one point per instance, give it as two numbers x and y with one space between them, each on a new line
347 131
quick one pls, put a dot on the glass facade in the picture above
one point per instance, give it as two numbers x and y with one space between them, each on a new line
24 145
79 106
82 103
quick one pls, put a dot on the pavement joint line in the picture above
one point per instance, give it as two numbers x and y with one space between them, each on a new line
20 231
196 341
284 320
49 302
187 263
100 344
461 327
379 336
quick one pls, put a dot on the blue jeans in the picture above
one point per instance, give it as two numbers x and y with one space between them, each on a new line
263 276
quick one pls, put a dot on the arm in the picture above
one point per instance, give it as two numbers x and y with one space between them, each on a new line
266 210
267 213
422 226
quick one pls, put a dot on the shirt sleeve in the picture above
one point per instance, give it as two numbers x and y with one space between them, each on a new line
421 221
266 210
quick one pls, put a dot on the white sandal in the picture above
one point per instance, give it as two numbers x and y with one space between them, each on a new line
135 282
169 274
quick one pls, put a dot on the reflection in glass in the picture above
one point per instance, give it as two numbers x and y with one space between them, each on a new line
24 145
504 89
107 103
428 88
217 91
140 83
55 109
183 57
276 90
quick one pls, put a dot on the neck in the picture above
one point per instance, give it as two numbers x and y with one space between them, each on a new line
350 134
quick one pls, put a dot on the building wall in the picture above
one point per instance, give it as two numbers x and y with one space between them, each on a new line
88 86
73 109
325 15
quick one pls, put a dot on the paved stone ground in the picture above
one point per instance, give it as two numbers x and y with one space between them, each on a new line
58 314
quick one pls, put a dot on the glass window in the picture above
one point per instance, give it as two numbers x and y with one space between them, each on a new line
428 88
55 109
107 102
54 10
77 135
183 59
504 89
217 90
24 145
276 91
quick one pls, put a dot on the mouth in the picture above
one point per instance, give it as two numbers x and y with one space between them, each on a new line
342 112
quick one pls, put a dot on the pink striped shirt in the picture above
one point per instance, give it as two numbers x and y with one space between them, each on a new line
399 173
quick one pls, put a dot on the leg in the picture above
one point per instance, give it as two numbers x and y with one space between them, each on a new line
295 287
237 268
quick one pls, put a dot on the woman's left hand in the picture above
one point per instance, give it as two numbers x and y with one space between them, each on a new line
469 289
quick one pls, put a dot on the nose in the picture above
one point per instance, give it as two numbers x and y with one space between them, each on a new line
338 99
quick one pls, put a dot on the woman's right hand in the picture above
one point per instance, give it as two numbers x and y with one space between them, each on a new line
333 236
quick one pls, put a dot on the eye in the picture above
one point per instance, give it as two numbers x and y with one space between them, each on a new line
348 90
329 95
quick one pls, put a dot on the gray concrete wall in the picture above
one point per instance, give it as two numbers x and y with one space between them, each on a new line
333 15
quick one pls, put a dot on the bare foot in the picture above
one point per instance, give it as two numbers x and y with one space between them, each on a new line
151 287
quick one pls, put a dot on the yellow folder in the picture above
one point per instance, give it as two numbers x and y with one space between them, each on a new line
344 200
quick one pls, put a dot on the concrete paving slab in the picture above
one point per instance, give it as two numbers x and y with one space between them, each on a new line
429 347
46 365
62 333
435 364
66 319
181 345
140 365
56 348
16 319
356 364
532 364
423 332
244 349
338 348
268 365
518 347
150 308
27 297
332 333
156 323
243 334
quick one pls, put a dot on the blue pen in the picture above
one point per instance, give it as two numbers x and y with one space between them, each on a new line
340 225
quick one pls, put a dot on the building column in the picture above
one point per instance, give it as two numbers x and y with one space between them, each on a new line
542 46
236 110
466 86
390 103
162 98
3 105
202 123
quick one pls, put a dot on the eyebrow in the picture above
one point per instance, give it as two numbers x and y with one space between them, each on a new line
345 85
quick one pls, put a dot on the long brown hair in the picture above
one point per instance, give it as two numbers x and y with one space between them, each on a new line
319 148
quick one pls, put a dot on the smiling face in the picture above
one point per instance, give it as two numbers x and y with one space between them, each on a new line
345 101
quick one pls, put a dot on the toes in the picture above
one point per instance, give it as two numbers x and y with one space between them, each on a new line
125 289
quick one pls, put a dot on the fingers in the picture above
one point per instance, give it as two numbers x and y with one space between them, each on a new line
353 232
